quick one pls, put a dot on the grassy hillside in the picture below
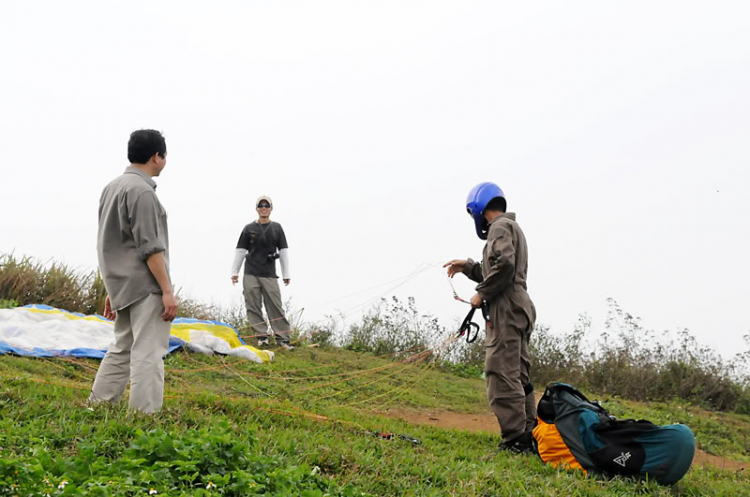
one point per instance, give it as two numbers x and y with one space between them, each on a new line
312 423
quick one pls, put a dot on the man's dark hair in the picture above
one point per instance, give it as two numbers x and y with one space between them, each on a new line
496 204
143 144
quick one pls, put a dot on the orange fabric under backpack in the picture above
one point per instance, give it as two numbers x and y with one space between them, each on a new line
551 447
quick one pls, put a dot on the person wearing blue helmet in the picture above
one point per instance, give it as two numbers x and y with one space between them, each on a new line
502 286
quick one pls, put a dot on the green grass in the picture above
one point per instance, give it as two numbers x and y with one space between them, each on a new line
295 428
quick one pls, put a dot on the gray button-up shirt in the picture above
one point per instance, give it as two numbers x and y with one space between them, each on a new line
132 226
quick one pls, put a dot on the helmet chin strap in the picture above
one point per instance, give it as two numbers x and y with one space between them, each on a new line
482 227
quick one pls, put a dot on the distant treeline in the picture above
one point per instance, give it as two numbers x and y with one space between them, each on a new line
624 359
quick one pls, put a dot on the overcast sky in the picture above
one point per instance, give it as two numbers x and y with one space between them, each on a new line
619 132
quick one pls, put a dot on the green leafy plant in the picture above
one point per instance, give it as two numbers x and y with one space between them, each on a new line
202 461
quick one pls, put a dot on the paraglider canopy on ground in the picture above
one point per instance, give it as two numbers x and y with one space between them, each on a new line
43 331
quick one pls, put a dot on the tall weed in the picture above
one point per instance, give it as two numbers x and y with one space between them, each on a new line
393 327
629 361
30 282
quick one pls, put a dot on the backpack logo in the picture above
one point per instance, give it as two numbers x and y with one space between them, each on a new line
622 458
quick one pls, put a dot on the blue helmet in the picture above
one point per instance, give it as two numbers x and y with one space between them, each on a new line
476 203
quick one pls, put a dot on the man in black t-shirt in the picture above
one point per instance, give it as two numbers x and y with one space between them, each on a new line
261 243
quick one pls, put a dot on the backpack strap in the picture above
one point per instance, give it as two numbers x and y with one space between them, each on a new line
545 410
546 407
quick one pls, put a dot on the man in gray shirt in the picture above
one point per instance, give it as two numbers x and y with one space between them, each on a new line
133 250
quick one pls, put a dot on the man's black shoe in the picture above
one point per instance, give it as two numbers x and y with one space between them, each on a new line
523 444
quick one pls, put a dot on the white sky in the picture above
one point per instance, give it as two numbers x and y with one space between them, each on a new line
618 131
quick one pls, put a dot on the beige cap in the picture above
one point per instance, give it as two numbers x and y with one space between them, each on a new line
263 197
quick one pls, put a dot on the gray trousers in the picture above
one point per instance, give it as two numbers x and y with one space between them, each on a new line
136 355
265 291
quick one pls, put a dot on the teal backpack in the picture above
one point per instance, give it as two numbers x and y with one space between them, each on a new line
603 444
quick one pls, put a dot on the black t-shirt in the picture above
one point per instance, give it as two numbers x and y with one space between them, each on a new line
262 242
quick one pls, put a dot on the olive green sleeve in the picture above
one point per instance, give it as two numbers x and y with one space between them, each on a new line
502 262
473 270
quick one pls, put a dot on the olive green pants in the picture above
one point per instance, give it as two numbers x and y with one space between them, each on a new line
265 291
507 368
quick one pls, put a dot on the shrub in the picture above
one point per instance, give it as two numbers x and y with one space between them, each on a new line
393 327
559 358
28 282
324 334
631 362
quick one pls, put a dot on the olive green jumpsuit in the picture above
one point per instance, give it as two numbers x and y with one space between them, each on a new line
502 284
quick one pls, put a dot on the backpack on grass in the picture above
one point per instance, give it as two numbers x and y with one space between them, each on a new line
574 432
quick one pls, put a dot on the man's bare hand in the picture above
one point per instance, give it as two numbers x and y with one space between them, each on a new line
287 281
170 307
455 266
476 301
158 267
235 279
108 312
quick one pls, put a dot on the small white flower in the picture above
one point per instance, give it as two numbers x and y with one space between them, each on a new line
62 484
152 491
315 470
210 485
46 480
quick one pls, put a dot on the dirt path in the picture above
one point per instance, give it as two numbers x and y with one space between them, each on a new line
486 422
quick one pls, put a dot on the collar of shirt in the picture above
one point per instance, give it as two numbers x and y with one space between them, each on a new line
146 177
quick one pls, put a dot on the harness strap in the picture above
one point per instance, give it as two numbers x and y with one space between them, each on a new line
470 328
